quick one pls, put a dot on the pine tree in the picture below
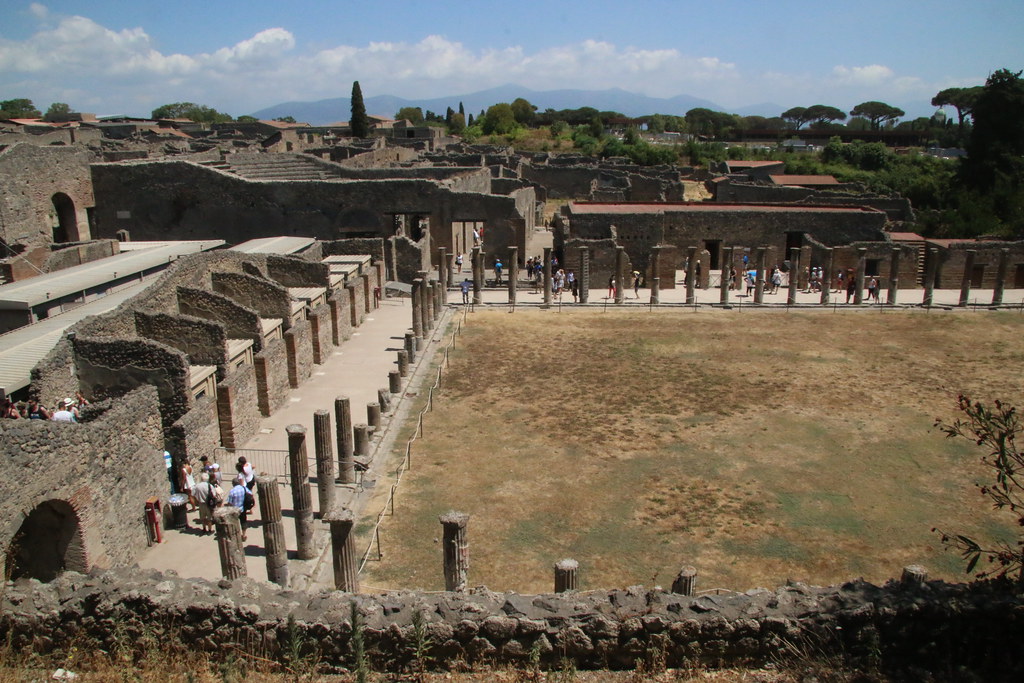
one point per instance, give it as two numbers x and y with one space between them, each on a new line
359 123
462 110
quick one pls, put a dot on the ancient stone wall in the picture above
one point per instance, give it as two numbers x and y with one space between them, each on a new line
321 337
602 260
204 342
952 261
239 322
376 158
410 258
293 271
298 341
65 255
104 467
30 177
341 320
374 246
238 411
272 376
196 433
904 630
267 298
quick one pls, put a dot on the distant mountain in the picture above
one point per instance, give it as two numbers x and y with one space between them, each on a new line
631 104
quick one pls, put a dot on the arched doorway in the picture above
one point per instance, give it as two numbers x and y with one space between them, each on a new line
66 228
48 543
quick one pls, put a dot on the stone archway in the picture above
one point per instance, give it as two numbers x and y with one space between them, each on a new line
48 543
66 229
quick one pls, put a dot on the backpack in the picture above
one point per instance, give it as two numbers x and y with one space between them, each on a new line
212 500
250 501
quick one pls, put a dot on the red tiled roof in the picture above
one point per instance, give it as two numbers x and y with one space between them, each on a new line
947 243
906 237
752 164
597 208
782 179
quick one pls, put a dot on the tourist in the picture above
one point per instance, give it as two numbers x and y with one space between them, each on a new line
246 470
851 286
636 284
465 290
9 410
187 483
65 412
36 411
611 287
458 262
529 268
236 498
570 277
207 499
750 279
873 289
839 282
776 280
497 271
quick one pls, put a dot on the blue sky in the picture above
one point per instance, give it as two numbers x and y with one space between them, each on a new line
111 56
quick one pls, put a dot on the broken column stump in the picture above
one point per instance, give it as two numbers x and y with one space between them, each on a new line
229 541
456 550
302 501
343 550
685 582
273 529
566 574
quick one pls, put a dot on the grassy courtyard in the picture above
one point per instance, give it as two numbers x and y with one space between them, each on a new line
758 446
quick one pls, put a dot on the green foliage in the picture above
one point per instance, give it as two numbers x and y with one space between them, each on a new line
412 114
584 141
878 113
500 119
457 124
199 113
282 119
19 108
57 111
559 128
524 112
245 118
360 662
358 121
796 116
995 429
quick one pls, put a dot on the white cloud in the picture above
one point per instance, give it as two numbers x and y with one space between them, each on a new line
874 74
38 11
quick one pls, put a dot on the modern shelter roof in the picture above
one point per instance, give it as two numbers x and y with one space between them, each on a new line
25 294
274 245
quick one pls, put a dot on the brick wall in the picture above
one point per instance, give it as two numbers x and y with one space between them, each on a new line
238 412
298 341
272 384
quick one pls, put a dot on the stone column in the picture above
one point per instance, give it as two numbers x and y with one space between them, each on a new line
914 575
894 277
997 292
794 275
685 582
438 300
302 503
403 363
965 282
273 528
426 304
456 550
931 265
395 381
324 460
583 277
477 260
862 264
373 416
343 428
361 442
384 399
442 273
759 280
547 276
229 541
656 275
620 275
410 346
826 276
724 284
417 307
691 274
566 575
513 273
343 550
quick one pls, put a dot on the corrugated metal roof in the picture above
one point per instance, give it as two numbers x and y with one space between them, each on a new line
22 349
711 207
274 245
25 294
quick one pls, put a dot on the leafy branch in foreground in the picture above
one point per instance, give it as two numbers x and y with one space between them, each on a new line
995 429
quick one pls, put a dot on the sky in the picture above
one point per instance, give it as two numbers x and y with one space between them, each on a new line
118 57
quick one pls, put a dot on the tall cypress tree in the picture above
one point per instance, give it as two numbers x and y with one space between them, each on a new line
359 122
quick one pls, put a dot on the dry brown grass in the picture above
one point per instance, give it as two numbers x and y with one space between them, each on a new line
759 446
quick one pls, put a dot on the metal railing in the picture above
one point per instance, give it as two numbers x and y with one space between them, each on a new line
406 464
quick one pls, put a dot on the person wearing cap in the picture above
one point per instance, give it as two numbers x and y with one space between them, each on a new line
65 411
236 498
207 498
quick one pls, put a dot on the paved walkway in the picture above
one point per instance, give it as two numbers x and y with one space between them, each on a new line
361 365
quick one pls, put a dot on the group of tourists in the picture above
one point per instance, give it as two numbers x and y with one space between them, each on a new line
207 494
63 410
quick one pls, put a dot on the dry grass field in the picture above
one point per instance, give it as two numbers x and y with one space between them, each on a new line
758 446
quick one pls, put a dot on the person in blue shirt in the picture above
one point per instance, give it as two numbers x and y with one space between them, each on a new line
497 271
236 498
465 290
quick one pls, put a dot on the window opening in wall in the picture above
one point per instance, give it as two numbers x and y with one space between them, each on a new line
794 240
871 267
1018 276
48 543
714 248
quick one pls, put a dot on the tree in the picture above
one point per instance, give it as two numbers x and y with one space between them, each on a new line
499 119
796 116
961 99
58 111
358 121
285 119
524 112
413 115
19 108
995 429
878 113
189 110
458 123
822 114
245 118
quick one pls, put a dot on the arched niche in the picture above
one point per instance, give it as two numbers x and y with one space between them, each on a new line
66 228
48 542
